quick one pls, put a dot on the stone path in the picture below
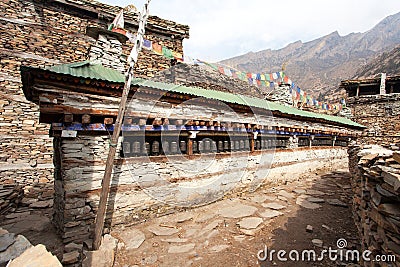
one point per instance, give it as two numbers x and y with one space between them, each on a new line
236 229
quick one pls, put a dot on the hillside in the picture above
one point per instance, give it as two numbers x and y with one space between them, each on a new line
318 66
388 62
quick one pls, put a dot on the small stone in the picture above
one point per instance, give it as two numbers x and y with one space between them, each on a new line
181 249
132 238
307 204
317 242
6 240
175 240
219 248
162 231
315 200
250 222
336 202
73 247
36 256
239 238
389 209
71 257
258 198
150 260
273 206
309 229
268 214
183 217
237 211
299 191
16 249
285 194
315 192
42 204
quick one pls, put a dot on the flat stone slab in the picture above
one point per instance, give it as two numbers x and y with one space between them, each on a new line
42 204
162 231
315 200
36 256
299 191
104 256
16 249
258 199
268 214
181 249
285 194
183 217
132 238
250 222
317 242
315 192
336 202
237 211
273 206
6 240
218 248
307 204
270 198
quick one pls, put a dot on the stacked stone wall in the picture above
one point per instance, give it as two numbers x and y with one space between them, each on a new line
376 205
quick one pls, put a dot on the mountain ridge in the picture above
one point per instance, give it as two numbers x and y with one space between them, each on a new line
318 66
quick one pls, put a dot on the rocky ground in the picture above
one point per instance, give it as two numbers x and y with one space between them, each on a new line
312 212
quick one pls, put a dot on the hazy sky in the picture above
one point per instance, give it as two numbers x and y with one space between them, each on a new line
227 28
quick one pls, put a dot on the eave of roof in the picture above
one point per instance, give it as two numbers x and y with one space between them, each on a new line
89 70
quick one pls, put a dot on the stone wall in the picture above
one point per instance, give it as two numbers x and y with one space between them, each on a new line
381 113
44 33
376 205
145 187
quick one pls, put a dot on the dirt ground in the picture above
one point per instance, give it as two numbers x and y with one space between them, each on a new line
211 236
205 237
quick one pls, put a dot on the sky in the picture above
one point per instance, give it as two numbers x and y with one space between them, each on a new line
226 28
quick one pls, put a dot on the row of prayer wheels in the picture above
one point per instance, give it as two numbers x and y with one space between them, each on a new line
206 145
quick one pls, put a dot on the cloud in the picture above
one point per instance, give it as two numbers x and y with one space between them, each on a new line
223 29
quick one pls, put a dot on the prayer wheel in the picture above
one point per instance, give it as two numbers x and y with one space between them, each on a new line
174 147
165 147
220 146
182 146
155 148
136 148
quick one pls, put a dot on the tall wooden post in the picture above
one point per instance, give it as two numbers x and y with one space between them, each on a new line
105 185
190 146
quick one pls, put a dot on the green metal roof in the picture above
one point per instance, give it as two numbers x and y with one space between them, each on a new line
89 70
86 69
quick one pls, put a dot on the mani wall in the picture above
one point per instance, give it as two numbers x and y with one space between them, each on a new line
180 147
44 33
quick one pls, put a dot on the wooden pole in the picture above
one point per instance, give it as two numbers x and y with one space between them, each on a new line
105 184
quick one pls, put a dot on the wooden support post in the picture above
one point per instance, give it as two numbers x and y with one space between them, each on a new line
252 142
190 146
105 184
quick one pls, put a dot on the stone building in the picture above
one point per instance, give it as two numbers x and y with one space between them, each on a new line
374 164
44 33
375 103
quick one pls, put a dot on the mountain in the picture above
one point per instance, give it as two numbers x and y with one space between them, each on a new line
318 66
388 62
